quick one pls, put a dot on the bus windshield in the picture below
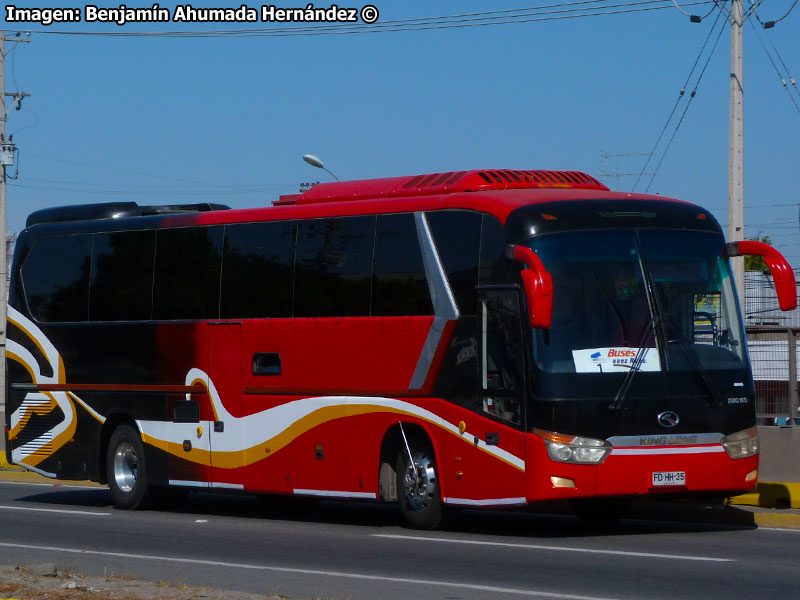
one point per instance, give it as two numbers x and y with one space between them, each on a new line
649 300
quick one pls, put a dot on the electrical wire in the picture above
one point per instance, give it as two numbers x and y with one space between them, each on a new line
776 21
778 72
677 102
720 4
533 14
774 48
128 171
685 110
678 6
167 188
138 192
769 37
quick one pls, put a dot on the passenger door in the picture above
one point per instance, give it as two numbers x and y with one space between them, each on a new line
501 388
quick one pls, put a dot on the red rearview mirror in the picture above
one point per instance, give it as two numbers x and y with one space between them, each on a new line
782 274
538 286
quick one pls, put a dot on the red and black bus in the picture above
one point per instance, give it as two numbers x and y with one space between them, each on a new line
468 339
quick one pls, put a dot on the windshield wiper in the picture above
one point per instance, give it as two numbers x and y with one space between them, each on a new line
696 367
641 351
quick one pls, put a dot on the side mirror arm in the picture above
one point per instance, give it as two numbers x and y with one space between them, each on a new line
779 268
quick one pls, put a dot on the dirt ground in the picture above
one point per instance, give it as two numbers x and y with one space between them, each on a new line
45 582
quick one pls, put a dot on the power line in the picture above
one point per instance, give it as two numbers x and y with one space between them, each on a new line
686 108
111 192
770 24
777 71
118 169
677 102
167 188
534 14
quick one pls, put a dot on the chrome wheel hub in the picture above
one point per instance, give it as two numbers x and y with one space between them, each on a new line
126 467
420 488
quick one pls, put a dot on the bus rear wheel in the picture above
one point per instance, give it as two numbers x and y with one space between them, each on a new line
126 469
418 489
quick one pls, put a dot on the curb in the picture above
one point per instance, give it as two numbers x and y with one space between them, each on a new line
4 464
780 521
771 494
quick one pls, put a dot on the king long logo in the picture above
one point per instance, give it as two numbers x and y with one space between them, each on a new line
668 419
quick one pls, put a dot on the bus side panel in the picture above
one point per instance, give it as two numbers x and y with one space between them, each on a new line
335 355
181 347
474 472
462 463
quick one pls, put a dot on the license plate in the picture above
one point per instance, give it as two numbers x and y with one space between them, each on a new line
669 478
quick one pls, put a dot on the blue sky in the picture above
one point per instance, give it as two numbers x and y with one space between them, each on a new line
158 120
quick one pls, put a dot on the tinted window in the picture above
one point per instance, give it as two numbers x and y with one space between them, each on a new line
457 235
495 267
502 350
399 285
56 278
121 287
333 267
257 270
187 273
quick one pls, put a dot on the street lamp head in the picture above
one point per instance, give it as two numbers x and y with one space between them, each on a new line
314 161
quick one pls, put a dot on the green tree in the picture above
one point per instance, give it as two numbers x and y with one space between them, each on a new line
756 263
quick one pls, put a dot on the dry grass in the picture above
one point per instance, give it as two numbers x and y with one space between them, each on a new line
19 583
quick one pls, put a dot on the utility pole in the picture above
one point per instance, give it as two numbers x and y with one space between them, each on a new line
7 158
736 147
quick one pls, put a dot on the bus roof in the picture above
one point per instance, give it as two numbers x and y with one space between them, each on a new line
493 191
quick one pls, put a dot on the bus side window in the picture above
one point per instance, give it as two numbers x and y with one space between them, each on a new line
495 268
187 273
457 234
121 287
399 287
333 267
56 278
257 270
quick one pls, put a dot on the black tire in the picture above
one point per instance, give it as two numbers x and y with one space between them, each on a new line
421 505
126 469
601 513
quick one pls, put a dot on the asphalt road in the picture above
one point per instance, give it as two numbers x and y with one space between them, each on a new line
361 551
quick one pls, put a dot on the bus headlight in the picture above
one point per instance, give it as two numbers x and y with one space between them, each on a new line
574 448
742 443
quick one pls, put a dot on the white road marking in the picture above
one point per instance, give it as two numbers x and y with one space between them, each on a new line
57 510
342 574
554 548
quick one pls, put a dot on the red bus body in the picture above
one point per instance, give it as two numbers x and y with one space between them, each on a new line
331 405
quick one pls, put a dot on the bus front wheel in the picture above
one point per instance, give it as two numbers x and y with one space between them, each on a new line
418 488
126 468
